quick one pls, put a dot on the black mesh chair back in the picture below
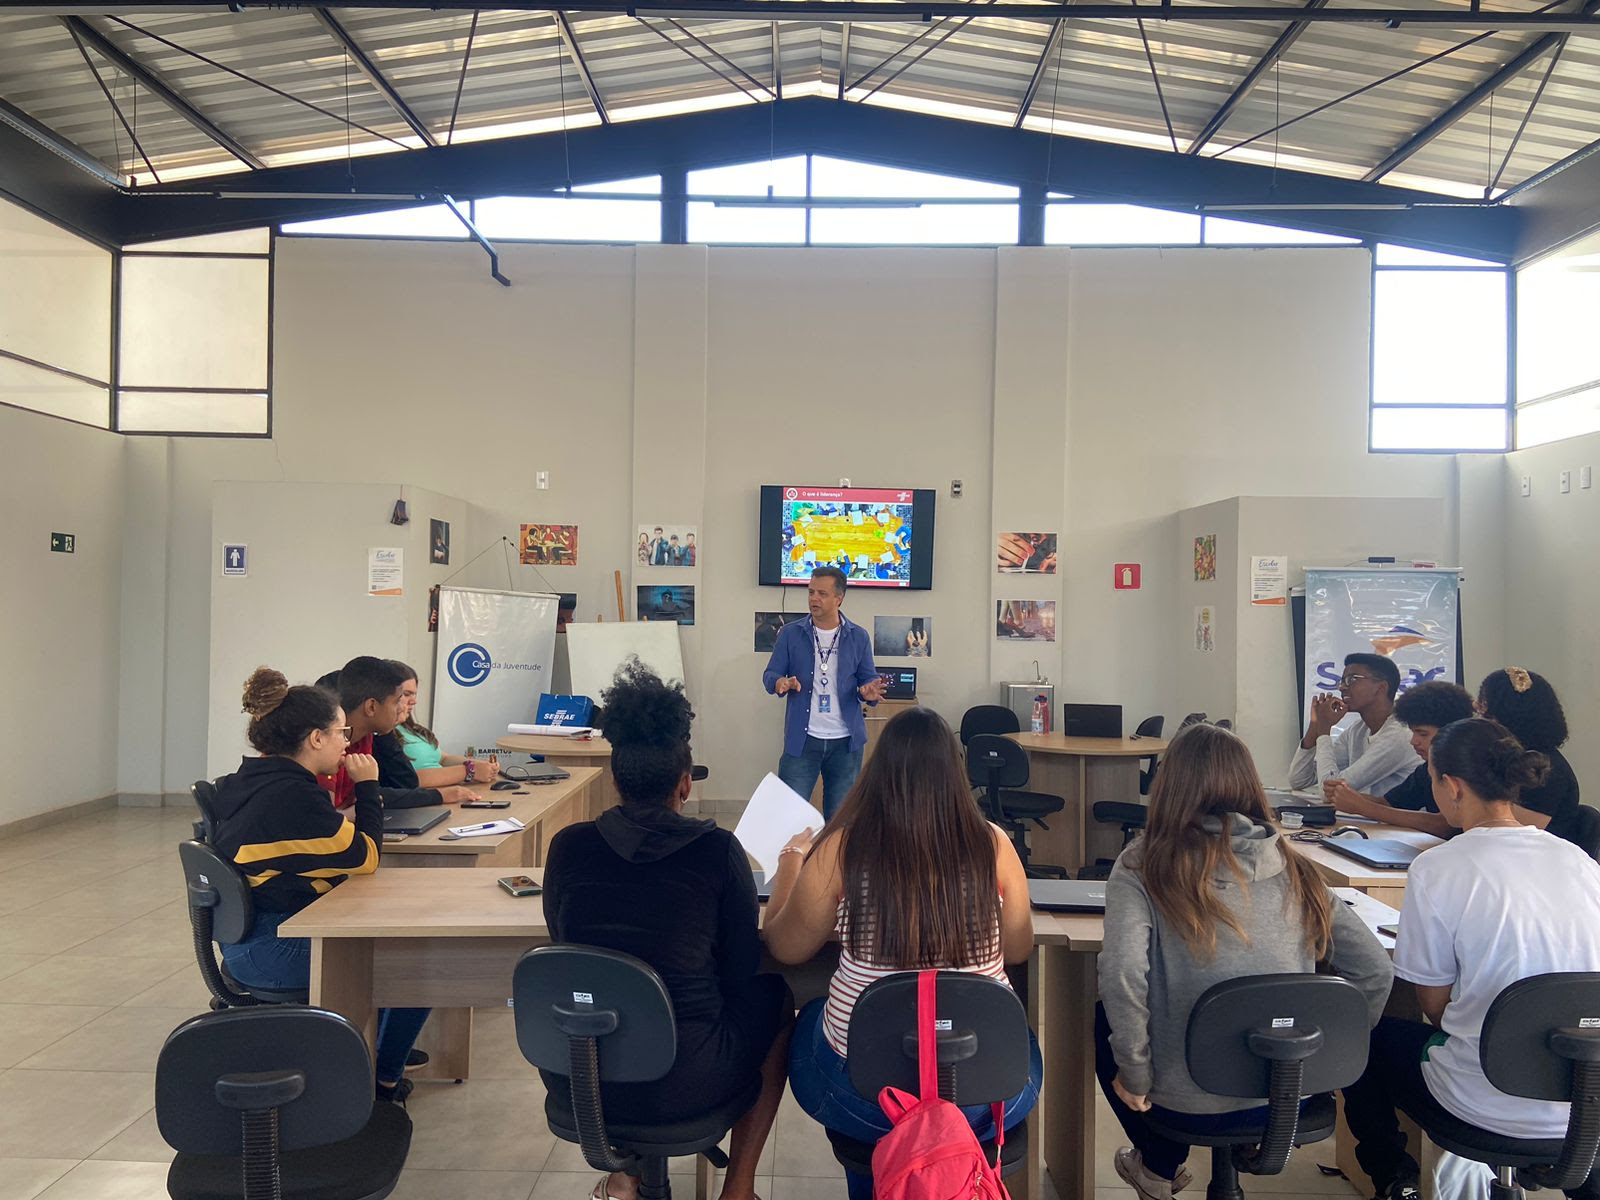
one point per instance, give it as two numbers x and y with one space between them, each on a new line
205 800
987 718
220 910
1272 1039
596 1017
983 1054
1586 830
275 1102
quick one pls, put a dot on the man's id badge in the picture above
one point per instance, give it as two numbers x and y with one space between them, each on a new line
824 703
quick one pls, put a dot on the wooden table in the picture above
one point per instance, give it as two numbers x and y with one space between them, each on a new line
571 752
544 809
1082 771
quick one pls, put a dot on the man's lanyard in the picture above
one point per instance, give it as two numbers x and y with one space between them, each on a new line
824 655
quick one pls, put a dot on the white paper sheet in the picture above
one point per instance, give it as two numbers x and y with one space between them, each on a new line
553 730
773 816
488 828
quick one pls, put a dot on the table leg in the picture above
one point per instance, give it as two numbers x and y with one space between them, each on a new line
341 981
1062 992
447 1037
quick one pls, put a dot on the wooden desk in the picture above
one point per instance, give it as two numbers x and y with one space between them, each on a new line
1081 771
545 809
569 753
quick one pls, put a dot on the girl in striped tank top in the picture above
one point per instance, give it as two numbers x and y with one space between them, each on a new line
907 876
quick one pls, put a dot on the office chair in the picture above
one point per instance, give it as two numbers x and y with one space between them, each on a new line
998 719
1535 1044
596 1017
1125 813
999 766
204 793
275 1104
1586 830
983 1057
1274 1038
1150 727
220 910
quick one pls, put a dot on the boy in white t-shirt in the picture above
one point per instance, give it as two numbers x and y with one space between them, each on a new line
1501 902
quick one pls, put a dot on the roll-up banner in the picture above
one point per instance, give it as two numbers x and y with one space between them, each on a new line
1408 614
491 661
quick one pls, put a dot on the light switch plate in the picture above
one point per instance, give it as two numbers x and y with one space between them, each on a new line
1566 482
1586 477
541 480
1527 485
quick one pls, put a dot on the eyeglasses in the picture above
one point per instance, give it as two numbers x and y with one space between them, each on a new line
343 731
1352 680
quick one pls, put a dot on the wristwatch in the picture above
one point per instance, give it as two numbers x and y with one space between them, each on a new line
471 768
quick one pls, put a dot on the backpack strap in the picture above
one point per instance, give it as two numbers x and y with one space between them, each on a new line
927 1035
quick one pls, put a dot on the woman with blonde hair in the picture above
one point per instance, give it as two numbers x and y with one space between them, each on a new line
1210 891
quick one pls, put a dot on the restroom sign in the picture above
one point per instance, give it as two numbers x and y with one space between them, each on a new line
235 559
1125 577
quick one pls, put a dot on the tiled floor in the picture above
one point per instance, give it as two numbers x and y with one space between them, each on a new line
96 970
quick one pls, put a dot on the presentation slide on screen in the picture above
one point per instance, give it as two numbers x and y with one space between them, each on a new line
865 532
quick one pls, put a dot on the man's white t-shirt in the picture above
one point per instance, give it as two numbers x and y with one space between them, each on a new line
1487 908
830 724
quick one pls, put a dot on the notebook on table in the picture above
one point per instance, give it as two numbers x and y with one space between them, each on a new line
1067 895
413 820
1381 853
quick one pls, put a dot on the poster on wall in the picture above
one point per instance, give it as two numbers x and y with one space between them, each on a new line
1406 615
1025 553
666 604
548 546
1025 620
1269 580
902 637
491 661
385 571
1205 635
439 543
1205 558
769 625
668 546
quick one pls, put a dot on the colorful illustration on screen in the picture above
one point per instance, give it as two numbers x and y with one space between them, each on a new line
865 532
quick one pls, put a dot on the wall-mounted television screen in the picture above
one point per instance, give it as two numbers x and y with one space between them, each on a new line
879 537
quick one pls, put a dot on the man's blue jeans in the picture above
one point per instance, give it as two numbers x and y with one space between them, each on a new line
266 960
833 760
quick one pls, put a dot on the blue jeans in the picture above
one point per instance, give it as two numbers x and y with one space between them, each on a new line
266 960
833 760
821 1085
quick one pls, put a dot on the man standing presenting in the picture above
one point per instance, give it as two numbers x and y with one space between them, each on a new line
823 666
1375 753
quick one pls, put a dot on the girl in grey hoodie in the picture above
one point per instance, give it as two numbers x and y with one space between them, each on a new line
1210 891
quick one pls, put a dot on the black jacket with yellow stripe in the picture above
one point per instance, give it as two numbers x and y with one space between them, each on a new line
277 824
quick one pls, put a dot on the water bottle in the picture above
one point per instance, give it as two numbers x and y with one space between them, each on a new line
1041 714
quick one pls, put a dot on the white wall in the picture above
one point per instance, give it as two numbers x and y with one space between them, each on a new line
60 633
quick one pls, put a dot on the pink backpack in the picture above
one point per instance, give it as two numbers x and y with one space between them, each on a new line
932 1153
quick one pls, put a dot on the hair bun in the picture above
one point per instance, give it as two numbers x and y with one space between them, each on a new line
1518 767
264 691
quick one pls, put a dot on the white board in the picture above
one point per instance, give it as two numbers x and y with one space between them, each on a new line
491 662
597 649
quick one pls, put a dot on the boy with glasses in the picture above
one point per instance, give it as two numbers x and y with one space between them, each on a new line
1374 754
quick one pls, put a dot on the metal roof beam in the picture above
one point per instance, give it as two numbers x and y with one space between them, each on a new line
159 87
1057 32
844 56
569 38
1246 85
375 77
777 62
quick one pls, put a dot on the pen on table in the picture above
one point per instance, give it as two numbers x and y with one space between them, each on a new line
476 828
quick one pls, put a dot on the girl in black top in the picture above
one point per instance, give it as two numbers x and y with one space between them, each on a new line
1528 706
678 893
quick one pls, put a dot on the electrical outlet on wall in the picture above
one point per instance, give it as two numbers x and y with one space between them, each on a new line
1527 485
1586 477
541 480
1566 482
955 489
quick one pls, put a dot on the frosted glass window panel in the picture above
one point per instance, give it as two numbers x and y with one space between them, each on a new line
1558 316
555 218
930 225
1389 255
241 241
192 412
1118 225
786 177
55 295
843 177
1482 429
1439 337
1224 231
423 221
747 226
25 386
1561 417
194 322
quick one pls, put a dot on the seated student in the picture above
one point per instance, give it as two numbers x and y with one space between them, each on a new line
1527 705
275 823
908 876
1500 902
372 693
413 749
1210 891
1425 709
1374 754
678 893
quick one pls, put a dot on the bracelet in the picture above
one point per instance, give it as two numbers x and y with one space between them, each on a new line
790 850
471 768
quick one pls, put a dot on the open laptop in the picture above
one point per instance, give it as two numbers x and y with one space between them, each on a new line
1092 720
902 682
1067 895
1382 853
763 885
413 820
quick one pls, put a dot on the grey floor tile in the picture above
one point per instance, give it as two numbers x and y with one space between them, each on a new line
37 933
31 1027
110 1181
163 933
802 1149
182 989
485 1125
74 979
791 1187
68 1114
495 1054
13 963
123 1039
461 1185
25 1178
139 1142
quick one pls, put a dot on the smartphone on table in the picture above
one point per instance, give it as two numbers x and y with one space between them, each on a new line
520 885
485 802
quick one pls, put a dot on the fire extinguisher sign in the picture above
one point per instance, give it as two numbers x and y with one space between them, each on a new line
1125 577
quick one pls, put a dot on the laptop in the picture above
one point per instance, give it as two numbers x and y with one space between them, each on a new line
536 772
763 885
1092 720
1314 812
1067 895
902 682
1382 853
413 820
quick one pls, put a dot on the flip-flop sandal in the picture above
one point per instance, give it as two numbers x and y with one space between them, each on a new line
600 1191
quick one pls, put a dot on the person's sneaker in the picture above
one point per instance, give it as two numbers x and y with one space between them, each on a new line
1149 1185
395 1094
1400 1189
415 1059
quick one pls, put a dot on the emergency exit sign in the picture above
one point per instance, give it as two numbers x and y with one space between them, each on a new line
64 543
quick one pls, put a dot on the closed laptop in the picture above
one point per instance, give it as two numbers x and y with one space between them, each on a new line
1092 720
413 820
1067 895
1381 853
